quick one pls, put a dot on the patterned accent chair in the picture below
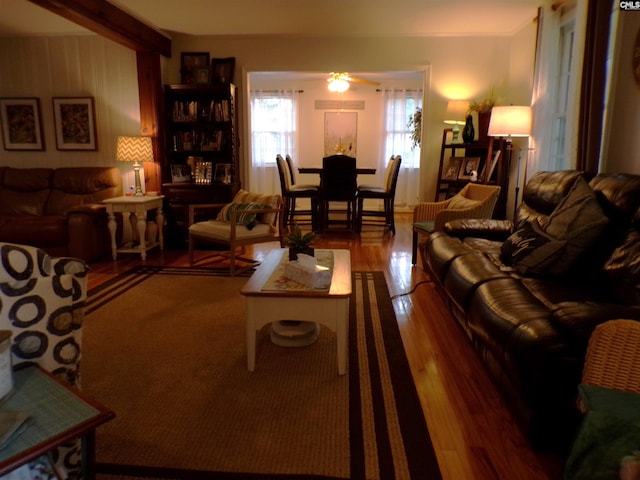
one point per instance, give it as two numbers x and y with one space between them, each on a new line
42 305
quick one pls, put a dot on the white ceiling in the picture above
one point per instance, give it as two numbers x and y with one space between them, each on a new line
294 17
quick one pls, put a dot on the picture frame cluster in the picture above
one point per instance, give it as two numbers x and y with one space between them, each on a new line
73 117
197 68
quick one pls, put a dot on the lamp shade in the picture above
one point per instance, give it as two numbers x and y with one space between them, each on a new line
510 121
456 112
134 149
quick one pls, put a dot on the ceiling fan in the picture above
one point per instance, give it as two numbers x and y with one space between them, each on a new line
339 81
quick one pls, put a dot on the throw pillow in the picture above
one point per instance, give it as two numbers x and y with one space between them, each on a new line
579 220
530 250
459 202
246 218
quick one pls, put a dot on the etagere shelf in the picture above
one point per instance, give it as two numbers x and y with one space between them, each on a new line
491 167
201 152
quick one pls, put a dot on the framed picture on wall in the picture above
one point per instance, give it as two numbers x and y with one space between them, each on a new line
21 124
75 123
340 133
190 64
222 69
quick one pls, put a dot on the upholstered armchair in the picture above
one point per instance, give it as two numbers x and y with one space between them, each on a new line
250 218
473 201
42 305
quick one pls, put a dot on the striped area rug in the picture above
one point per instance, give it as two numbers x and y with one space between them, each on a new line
165 349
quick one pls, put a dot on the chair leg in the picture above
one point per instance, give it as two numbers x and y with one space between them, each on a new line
392 216
414 248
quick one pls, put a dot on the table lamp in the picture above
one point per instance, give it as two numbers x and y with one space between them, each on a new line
511 121
456 110
135 149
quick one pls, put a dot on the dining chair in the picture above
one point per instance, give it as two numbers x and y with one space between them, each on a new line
338 183
291 192
473 201
386 193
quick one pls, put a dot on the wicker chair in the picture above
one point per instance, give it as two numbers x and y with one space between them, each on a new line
429 217
613 356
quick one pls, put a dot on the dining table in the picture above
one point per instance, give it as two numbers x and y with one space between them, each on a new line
318 170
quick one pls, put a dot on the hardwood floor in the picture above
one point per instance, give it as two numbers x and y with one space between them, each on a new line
472 431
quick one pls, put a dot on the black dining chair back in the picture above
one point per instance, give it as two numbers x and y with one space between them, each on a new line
339 184
291 192
386 193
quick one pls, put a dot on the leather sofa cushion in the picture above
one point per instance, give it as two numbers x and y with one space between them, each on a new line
81 186
27 179
39 231
442 250
15 202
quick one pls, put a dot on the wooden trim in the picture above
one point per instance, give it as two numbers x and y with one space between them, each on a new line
150 95
107 20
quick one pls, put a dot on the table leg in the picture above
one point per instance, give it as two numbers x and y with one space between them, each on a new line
142 227
160 223
111 224
414 248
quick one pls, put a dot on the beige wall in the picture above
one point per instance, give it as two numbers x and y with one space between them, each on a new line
459 67
73 66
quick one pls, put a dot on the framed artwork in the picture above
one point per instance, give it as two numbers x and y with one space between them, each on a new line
180 173
223 173
451 169
222 69
469 165
202 75
203 173
21 124
75 123
190 64
490 168
340 133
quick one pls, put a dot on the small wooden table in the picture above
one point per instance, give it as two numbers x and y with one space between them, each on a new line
58 414
326 307
137 208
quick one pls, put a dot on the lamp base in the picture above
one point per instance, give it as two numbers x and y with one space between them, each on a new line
138 191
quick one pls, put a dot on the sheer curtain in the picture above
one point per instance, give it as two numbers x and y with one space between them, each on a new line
399 106
274 127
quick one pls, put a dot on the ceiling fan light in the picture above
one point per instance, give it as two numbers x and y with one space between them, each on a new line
338 85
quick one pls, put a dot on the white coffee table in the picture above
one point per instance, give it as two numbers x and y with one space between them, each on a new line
326 307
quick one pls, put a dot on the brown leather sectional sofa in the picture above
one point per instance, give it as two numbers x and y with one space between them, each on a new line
529 295
58 210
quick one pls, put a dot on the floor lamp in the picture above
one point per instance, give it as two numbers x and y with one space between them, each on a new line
511 121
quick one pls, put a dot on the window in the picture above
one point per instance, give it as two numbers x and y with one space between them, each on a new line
400 105
273 125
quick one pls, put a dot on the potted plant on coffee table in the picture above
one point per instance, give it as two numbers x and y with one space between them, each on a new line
299 242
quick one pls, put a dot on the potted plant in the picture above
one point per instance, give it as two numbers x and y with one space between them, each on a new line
415 125
299 242
483 109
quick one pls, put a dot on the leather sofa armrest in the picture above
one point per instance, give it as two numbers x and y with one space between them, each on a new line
488 228
88 209
579 319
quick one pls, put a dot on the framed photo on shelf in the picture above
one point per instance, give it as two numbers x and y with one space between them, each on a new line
21 124
222 69
75 123
490 167
469 165
450 171
180 173
190 64
202 76
223 173
203 173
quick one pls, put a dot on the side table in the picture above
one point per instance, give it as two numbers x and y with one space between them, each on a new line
137 208
57 414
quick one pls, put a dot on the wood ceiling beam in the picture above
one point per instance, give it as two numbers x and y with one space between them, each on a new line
107 20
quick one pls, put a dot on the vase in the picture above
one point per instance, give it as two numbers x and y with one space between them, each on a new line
483 125
468 132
